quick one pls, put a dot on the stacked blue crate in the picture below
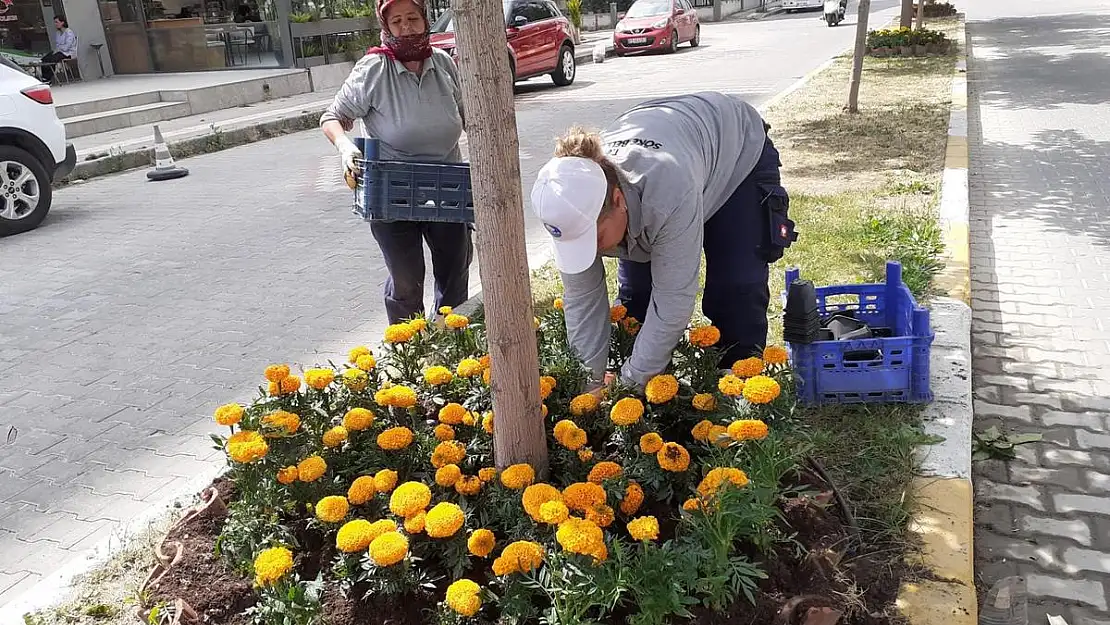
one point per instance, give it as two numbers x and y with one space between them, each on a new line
412 191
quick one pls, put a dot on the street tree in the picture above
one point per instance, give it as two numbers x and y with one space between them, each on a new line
906 18
857 57
491 130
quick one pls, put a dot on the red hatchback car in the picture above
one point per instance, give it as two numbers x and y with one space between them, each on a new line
657 25
538 36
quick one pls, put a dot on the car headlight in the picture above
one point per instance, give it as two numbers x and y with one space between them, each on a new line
660 24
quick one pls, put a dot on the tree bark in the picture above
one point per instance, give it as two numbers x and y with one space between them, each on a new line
920 14
502 258
857 58
906 19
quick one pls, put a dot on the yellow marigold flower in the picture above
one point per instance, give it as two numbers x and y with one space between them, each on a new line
603 516
617 313
661 389
291 384
569 435
358 419
354 536
366 363
645 528
583 496
705 402
543 410
584 404
691 504
470 419
448 475
731 385
444 432
396 397
446 310
229 414
761 390
448 452
651 443
362 490
311 469
519 557
456 322
355 352
775 355
718 435
701 431
452 414
487 423
389 549
518 476
332 509
463 597
627 411
469 367
246 446
536 495
444 520
748 367
271 565
399 333
719 476
585 455
748 430
419 324
395 438
547 385
416 523
481 543
633 499
557 304
319 379
580 536
356 379
487 474
705 336
283 420
673 457
335 437
410 498
486 375
604 470
469 485
384 526
438 375
287 475
385 480
553 512
277 373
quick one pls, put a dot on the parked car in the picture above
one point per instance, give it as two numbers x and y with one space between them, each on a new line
657 26
791 6
538 40
33 149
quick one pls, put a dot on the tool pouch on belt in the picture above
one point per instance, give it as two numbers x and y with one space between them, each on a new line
779 230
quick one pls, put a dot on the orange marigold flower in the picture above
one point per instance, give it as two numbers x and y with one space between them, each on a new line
701 431
747 430
731 385
456 322
448 452
277 373
557 304
661 389
487 423
287 475
444 432
633 499
283 420
617 313
518 476
452 414
705 336
355 352
651 443
246 446
481 543
718 477
319 379
536 495
603 516
775 355
519 557
229 414
358 419
415 523
627 411
547 385
585 455
673 457
385 480
335 437
644 528
448 475
704 402
747 367
468 485
395 439
311 469
487 474
584 404
761 390
366 363
362 490
583 496
604 471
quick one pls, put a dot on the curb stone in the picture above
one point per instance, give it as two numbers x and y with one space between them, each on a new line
943 494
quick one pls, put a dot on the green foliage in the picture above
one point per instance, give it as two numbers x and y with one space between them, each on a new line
289 602
992 444
913 238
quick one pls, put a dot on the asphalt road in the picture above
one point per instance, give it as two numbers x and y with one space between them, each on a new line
138 307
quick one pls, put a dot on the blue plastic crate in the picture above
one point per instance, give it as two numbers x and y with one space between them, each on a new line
412 191
877 370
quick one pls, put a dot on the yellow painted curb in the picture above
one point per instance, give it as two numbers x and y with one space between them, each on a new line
956 277
943 524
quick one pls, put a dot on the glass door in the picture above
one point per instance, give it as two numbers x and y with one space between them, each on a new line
126 33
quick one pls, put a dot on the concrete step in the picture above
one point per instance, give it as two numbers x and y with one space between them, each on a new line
103 105
126 117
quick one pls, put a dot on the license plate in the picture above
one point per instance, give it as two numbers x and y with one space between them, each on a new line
636 40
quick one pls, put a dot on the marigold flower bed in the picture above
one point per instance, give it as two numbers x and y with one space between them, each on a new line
367 493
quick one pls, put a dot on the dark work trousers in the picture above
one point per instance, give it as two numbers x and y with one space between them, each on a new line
50 65
736 257
402 245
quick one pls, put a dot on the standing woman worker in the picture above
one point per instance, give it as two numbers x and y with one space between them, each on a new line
668 179
407 95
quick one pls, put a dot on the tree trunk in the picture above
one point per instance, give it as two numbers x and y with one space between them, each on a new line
920 14
857 58
906 19
502 258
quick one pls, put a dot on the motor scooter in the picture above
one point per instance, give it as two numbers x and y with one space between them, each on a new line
834 11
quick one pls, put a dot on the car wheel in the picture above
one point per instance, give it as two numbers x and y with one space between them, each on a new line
674 42
25 192
566 69
696 41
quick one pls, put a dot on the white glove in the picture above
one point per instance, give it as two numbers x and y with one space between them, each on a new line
348 153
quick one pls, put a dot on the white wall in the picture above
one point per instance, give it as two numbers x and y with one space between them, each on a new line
84 20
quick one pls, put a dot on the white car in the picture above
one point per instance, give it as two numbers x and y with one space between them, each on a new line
801 5
33 149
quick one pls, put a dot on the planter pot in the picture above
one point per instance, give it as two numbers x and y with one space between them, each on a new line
881 53
311 61
905 51
919 50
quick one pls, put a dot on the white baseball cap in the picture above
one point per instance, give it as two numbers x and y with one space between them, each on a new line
567 197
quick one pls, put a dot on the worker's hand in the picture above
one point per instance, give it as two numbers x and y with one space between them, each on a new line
347 124
608 381
349 154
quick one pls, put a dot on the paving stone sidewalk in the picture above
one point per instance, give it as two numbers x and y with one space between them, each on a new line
1040 235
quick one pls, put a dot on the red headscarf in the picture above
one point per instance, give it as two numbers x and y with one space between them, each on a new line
411 47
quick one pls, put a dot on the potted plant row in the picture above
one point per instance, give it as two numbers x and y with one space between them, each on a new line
906 42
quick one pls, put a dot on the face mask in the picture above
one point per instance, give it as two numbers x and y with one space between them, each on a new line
408 48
